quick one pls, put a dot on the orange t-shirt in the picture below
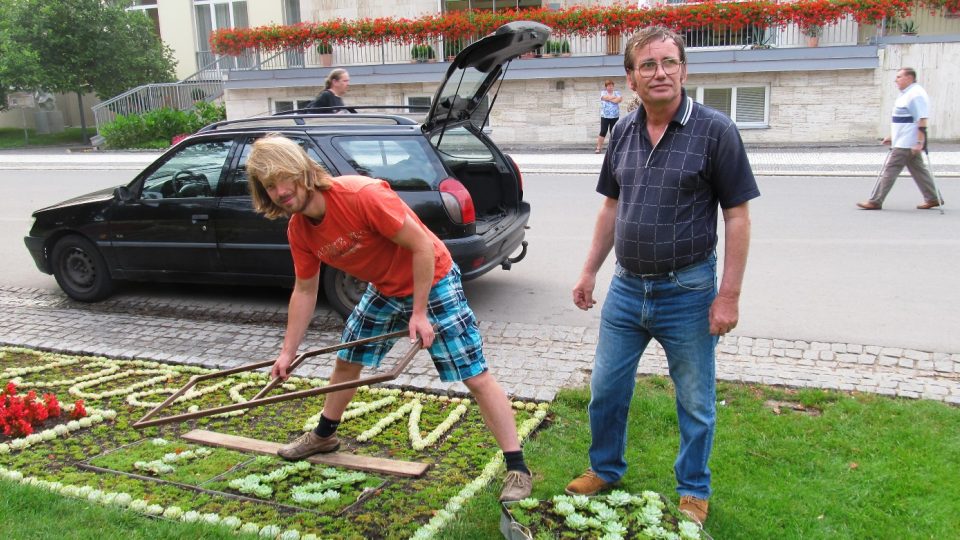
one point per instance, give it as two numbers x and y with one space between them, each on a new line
361 216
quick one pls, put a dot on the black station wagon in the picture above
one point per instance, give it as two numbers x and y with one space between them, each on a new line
188 216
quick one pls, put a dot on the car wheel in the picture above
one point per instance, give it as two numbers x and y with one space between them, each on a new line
80 270
343 291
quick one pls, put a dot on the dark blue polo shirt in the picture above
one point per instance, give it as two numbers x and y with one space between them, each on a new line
668 196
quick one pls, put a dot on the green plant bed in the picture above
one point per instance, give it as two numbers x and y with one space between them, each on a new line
866 466
98 463
613 516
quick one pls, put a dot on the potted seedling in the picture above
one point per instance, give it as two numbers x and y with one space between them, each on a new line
325 51
421 52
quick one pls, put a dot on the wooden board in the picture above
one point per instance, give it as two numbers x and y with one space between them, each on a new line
338 459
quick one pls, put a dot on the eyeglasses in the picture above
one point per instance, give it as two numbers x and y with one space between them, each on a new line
671 66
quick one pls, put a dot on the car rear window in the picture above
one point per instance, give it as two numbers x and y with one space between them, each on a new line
404 162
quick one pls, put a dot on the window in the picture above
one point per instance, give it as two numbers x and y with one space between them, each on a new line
419 101
745 105
280 106
490 5
215 14
403 161
238 187
459 144
194 171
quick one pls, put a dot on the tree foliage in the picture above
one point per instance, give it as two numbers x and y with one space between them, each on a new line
79 46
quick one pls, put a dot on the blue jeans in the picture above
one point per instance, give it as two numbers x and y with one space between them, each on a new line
673 309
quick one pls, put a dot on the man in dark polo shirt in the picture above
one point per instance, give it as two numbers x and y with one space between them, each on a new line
669 166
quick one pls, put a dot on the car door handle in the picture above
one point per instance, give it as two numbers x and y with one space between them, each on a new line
197 218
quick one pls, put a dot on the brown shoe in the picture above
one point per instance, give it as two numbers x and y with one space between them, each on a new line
928 205
696 509
516 486
588 484
869 205
308 444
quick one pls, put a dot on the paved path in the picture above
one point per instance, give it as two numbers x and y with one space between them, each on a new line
531 361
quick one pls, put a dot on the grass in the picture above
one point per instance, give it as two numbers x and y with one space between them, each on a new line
13 137
27 513
867 467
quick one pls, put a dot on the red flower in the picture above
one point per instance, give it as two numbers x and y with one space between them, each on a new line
78 410
576 20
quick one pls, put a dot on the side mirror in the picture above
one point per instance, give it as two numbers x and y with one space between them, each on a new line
122 194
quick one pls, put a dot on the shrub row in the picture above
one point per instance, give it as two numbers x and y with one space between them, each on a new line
155 129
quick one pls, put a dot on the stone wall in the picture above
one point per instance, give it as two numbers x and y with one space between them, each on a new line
827 107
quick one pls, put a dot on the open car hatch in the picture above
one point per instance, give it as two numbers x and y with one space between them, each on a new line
475 70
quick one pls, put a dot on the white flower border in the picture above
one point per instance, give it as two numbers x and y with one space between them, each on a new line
94 416
428 531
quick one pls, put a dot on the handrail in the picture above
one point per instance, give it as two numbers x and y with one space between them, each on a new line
144 98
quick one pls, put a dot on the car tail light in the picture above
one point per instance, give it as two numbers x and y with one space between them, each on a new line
457 201
516 169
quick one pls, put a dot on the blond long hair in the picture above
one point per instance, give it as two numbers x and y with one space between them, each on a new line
275 156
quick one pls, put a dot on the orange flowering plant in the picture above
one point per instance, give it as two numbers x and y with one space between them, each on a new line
576 20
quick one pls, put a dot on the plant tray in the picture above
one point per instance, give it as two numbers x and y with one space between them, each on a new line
541 521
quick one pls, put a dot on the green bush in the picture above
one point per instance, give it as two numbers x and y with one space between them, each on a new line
155 129
422 52
324 48
452 47
556 47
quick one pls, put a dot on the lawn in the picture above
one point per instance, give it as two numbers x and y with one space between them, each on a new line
786 464
13 137
850 466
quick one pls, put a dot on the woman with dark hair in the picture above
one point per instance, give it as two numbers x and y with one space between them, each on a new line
336 85
609 111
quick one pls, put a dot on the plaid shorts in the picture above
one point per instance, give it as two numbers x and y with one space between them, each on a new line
457 349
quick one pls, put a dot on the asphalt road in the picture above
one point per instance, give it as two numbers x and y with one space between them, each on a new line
819 268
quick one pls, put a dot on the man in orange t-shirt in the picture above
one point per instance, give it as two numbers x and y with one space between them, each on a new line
362 227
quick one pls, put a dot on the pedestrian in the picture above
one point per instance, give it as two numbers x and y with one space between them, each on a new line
335 86
609 111
668 167
907 140
360 225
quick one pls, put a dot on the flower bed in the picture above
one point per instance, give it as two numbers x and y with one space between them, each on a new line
154 472
571 21
613 516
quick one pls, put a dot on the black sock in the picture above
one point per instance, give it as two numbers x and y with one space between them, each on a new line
515 461
326 427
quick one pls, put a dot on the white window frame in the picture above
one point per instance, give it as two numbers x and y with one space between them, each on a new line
408 97
298 103
698 97
213 15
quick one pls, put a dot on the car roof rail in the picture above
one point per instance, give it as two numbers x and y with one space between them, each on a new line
301 119
354 108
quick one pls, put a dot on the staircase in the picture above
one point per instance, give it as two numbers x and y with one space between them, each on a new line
204 85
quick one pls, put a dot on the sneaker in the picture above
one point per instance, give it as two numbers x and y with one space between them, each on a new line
516 485
696 509
588 484
308 444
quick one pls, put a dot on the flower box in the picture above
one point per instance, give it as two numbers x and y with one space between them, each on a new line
617 514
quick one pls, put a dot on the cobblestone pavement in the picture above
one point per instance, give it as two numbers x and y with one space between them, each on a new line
531 361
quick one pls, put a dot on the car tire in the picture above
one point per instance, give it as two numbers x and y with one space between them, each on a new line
342 290
80 269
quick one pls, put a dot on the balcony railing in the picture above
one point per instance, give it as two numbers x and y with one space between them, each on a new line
845 32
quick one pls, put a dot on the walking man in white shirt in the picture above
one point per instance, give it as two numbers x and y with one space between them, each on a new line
907 140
